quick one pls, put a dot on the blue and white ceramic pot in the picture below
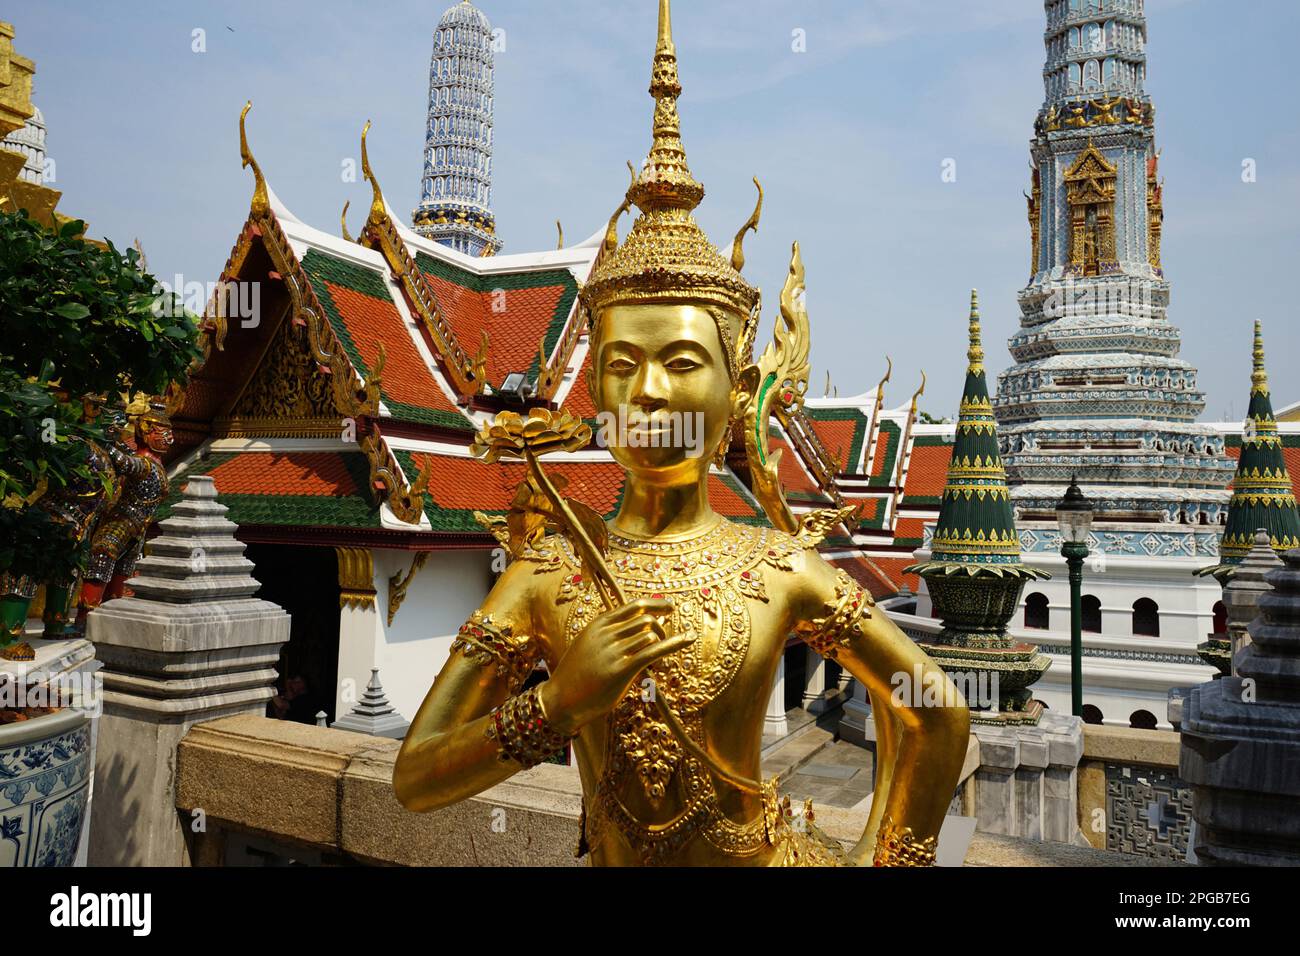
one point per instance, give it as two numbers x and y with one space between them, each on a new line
44 782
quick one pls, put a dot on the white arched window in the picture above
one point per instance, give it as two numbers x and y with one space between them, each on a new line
1111 71
1075 77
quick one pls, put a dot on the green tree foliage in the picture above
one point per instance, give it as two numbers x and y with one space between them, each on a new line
76 319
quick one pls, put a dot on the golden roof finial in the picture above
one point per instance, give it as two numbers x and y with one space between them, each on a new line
377 210
976 353
738 244
261 205
559 243
343 221
1258 375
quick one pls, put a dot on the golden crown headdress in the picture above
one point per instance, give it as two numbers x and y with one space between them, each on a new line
666 257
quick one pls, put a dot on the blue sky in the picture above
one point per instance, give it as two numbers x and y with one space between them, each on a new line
847 138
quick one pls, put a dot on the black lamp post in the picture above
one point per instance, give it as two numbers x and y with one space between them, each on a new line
1074 517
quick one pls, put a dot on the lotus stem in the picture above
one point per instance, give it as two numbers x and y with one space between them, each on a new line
594 562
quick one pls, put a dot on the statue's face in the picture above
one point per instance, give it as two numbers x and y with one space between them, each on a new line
157 435
662 390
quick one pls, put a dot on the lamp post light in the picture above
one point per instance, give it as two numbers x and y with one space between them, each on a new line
1074 517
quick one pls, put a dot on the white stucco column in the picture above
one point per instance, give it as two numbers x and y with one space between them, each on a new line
814 685
774 723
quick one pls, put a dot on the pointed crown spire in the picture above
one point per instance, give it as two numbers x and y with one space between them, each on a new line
667 257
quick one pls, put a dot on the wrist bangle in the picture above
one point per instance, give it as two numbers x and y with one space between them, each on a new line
523 732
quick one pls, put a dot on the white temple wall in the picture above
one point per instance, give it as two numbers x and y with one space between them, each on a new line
411 651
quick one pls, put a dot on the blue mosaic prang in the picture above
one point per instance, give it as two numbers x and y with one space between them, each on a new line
43 790
456 188
1098 391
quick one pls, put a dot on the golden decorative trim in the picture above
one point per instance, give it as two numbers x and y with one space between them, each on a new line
260 207
343 222
738 244
1090 193
898 846
356 578
903 454
381 233
1155 212
245 427
1035 203
353 397
398 584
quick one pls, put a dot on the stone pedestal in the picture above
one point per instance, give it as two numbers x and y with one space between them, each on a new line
1244 589
1026 785
192 644
1241 740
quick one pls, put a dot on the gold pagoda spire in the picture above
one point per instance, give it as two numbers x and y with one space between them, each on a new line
1258 375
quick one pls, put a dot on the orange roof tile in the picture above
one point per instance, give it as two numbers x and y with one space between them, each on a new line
837 437
405 377
285 473
909 528
927 472
868 574
893 567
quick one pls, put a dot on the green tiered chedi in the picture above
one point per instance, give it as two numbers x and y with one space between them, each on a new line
1262 498
975 574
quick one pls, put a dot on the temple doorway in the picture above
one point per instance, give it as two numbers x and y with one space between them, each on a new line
303 581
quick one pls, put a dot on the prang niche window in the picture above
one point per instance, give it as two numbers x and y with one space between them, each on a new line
1090 194
1146 618
1091 608
1036 613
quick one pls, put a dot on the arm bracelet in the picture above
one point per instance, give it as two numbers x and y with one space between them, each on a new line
842 620
522 731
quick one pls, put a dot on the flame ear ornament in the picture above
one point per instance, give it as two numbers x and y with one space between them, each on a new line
261 204
782 383
738 244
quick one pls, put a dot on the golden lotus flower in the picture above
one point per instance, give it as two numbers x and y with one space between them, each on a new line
542 431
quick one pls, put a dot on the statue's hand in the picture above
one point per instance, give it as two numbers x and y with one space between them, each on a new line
600 664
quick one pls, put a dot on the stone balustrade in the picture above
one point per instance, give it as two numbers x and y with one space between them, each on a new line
258 790
1131 799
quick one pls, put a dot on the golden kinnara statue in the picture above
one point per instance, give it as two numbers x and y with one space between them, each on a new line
662 630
